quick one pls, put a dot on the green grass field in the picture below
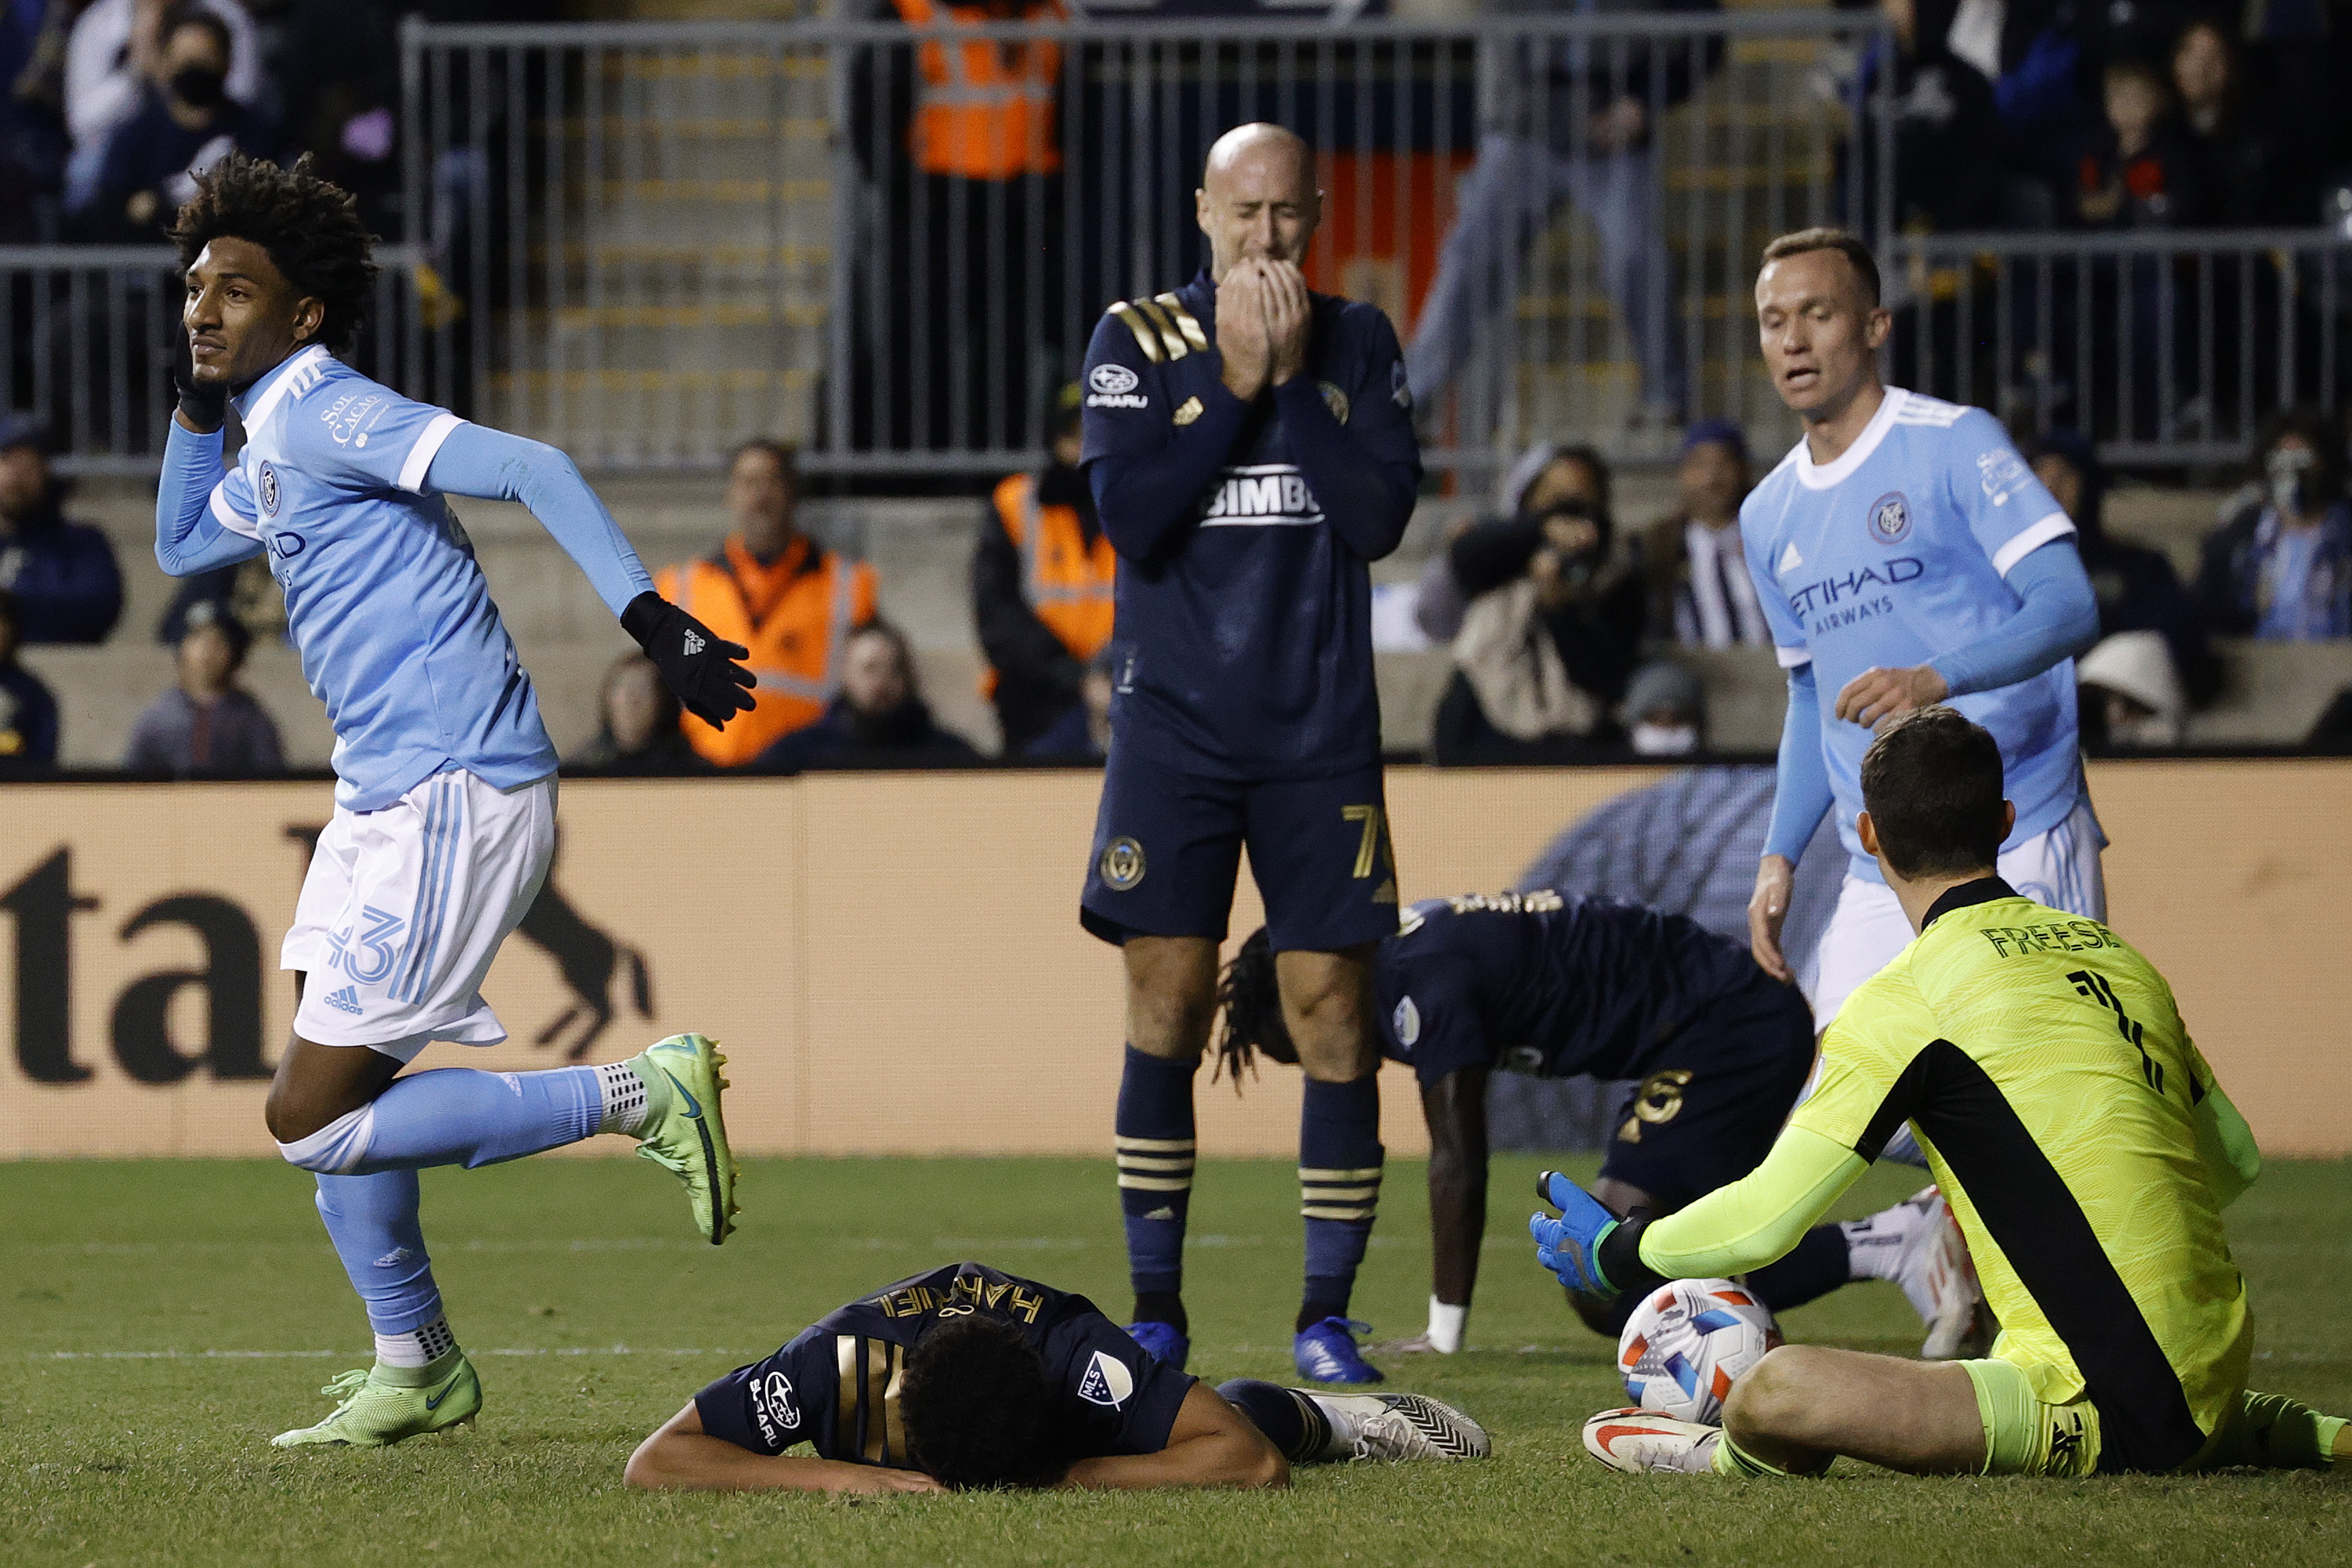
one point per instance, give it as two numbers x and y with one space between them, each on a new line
159 1321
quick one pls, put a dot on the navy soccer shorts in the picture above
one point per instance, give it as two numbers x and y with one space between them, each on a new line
1167 848
1712 1102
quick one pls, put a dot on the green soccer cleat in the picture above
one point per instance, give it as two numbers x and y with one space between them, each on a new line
386 1404
689 1134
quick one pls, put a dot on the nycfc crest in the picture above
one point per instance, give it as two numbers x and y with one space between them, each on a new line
1121 865
268 490
1890 518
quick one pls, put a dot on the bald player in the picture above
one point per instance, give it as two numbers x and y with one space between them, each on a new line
1251 450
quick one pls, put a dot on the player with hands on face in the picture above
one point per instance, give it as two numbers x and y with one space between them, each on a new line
1904 555
444 794
1251 451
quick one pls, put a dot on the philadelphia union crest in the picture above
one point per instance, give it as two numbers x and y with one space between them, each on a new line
1890 518
1121 865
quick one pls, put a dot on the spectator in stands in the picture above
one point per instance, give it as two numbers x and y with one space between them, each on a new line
2137 588
1665 711
1696 578
184 124
637 732
28 713
207 726
880 719
773 589
67 584
1947 135
339 65
115 57
1574 122
245 591
2129 700
32 118
2140 169
2280 569
2232 152
1082 734
1043 585
1554 626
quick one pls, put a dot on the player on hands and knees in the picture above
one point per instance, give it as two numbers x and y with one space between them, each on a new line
2088 1151
1250 446
1904 554
963 1377
1552 986
445 794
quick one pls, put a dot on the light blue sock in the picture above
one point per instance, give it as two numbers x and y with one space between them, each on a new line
459 1116
372 1221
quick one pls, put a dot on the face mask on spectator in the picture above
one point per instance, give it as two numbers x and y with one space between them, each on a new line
1665 740
198 87
2289 468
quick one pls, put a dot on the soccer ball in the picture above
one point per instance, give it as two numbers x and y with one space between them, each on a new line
1688 1342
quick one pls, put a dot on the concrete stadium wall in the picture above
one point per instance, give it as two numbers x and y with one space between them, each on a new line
895 965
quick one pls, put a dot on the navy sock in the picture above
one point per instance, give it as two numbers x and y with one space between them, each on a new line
1289 1419
1340 1159
1816 1266
1155 1180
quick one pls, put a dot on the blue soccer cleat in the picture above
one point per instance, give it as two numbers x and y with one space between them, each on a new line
1162 1342
1326 1353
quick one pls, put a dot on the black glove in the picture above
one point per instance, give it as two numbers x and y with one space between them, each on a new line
204 403
698 665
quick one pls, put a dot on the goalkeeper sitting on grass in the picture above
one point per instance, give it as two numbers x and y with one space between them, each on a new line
2084 1146
965 1377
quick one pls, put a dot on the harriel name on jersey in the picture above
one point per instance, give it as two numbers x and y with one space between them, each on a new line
1270 495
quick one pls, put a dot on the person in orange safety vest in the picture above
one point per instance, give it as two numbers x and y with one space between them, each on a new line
1043 585
774 590
983 107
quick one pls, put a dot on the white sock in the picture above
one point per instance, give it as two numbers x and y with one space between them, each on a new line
1874 1246
419 1347
1343 1421
1445 1325
624 1094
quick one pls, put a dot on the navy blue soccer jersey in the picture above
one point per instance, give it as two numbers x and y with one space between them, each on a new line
1549 985
1244 645
836 1385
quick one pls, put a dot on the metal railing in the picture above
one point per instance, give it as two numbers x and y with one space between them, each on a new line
2167 348
672 236
87 335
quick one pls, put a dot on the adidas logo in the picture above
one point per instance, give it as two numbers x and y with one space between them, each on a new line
694 644
1789 560
347 1000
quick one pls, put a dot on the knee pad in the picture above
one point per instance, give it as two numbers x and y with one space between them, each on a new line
336 1149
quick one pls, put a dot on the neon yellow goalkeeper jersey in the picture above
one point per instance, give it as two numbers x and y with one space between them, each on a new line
2053 1088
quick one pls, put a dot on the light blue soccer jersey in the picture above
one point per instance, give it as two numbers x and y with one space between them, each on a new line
1897 553
397 633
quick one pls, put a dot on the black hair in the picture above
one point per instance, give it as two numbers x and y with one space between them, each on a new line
978 1412
214 614
310 227
1807 240
1251 998
192 15
1932 785
2327 449
788 460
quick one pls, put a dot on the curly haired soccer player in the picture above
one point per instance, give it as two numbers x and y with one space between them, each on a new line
965 1377
2085 1146
444 794
1250 445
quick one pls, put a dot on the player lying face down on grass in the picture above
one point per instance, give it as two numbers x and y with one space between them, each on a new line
965 1377
2086 1147
1553 986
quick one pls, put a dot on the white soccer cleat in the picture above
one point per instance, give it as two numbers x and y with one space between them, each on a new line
1643 1442
1393 1427
1940 1280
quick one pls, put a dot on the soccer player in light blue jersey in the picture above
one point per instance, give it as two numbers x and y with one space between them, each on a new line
445 794
1904 555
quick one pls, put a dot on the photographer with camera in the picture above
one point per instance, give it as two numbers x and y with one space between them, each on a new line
1554 627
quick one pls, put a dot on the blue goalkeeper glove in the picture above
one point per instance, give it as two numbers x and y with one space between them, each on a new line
1570 1246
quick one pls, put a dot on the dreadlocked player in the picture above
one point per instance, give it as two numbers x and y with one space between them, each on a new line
445 791
1543 983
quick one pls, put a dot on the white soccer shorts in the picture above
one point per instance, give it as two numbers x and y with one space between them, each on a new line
405 908
2059 867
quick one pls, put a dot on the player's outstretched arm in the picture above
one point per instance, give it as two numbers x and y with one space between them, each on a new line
1800 797
1456 1108
1212 1444
680 1457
